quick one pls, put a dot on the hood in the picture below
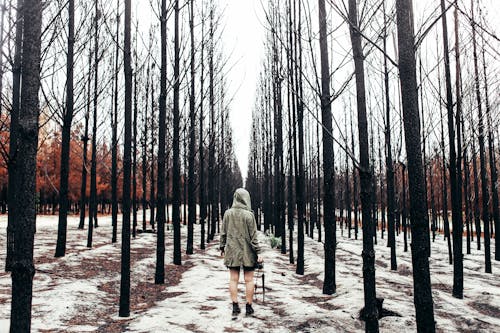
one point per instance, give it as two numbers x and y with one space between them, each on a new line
241 199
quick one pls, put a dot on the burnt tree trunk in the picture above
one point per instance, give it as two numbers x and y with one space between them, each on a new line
482 156
13 140
192 141
176 191
329 284
127 149
418 210
365 175
23 268
161 217
66 137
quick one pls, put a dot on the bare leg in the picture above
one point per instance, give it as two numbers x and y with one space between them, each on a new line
234 276
249 286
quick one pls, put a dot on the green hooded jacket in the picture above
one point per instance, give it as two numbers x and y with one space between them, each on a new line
239 232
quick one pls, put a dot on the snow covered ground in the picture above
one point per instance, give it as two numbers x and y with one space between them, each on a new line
80 292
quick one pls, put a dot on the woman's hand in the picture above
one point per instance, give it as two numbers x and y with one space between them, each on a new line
259 259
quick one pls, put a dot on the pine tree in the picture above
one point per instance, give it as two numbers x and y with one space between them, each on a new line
24 213
418 211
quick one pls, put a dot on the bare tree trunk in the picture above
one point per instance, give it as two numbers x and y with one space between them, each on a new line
13 140
418 213
93 173
365 176
134 143
66 137
203 209
85 139
389 164
211 147
482 158
152 201
161 217
176 152
477 212
458 275
444 178
23 268
192 141
329 284
492 160
125 255
301 204
114 135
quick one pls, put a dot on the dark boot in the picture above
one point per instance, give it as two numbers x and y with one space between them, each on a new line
236 309
249 310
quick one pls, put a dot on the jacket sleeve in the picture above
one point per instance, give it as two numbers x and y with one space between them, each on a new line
223 234
252 231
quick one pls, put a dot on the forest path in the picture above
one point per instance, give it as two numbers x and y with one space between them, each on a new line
79 292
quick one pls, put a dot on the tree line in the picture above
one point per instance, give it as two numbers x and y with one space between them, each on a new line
423 151
111 128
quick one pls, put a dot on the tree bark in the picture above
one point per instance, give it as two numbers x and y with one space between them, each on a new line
192 141
176 152
23 268
114 136
458 274
389 165
418 213
160 212
482 156
66 137
329 284
93 167
365 175
13 140
127 149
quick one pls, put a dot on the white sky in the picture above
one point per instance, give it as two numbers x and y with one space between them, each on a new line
243 38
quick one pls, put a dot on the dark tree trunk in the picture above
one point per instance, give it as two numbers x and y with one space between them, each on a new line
355 188
144 152
291 106
458 274
134 143
176 152
418 213
66 137
13 140
365 175
482 155
467 190
23 268
211 147
152 201
161 217
477 212
301 203
279 181
203 210
329 284
192 141
85 139
127 149
389 165
446 221
114 136
492 160
93 173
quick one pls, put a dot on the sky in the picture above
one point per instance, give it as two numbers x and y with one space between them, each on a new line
243 38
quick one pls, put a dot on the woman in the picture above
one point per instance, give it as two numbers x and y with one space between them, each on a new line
240 247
